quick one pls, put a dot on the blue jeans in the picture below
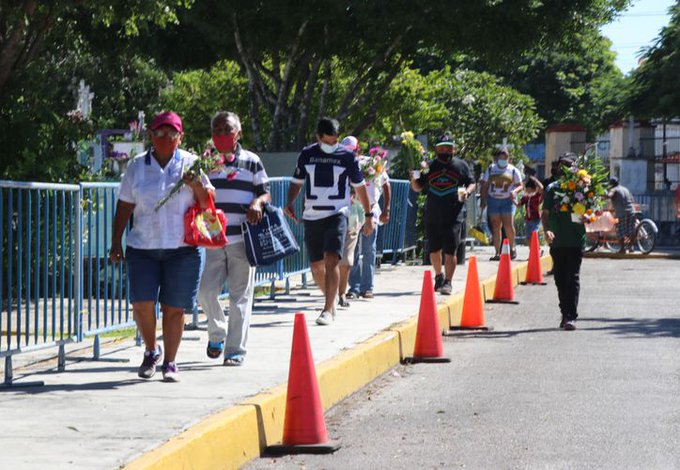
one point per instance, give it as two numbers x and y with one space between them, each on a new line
361 275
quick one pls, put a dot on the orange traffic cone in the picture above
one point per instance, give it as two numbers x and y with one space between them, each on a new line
472 317
304 428
428 347
534 272
504 291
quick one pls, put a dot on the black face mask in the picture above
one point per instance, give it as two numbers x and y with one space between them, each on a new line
444 157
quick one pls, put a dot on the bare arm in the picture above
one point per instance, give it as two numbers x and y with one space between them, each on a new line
387 198
484 193
415 184
366 204
123 212
254 213
539 185
293 191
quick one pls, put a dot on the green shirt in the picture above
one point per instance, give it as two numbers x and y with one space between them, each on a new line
567 233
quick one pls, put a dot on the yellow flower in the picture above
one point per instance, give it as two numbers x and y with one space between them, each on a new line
571 185
563 185
564 208
589 211
593 218
579 209
582 174
378 168
407 135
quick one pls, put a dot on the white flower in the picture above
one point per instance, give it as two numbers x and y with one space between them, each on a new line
468 100
371 170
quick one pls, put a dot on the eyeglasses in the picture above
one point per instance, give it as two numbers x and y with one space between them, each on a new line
159 134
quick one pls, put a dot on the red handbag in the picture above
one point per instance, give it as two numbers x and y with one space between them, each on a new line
205 227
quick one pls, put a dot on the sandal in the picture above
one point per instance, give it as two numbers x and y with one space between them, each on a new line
495 257
214 349
234 360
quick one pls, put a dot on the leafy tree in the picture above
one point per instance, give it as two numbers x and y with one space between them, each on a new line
197 94
290 51
653 91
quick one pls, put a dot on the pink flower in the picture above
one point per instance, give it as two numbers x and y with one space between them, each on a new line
232 175
229 158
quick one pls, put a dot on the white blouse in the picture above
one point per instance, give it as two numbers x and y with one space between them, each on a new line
144 184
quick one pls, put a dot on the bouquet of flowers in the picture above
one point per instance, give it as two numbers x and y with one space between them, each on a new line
411 157
374 164
582 189
210 161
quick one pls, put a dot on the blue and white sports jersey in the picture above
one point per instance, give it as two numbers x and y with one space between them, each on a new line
326 177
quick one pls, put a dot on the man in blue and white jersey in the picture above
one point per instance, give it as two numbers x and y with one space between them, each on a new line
327 170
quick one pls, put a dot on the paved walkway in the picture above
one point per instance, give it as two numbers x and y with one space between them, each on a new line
100 415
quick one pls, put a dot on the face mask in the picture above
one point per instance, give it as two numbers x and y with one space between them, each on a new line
327 148
445 157
164 146
225 143
502 163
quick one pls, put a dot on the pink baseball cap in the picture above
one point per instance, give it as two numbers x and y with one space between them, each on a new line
167 118
350 142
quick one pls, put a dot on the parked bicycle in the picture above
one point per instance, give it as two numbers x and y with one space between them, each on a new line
602 233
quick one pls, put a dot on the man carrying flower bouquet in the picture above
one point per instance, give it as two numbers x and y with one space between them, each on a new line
241 190
566 238
448 182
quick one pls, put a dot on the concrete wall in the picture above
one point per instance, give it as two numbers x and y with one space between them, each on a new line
279 163
563 138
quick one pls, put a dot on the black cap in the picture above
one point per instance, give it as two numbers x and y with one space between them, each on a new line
445 139
613 181
567 157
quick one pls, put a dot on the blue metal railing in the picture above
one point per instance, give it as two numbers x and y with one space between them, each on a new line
56 283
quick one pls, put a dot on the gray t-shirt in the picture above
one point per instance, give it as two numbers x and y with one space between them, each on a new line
622 200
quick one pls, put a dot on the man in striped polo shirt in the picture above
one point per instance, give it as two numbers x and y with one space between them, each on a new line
240 192
327 170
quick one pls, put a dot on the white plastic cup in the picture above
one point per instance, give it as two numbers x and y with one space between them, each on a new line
461 194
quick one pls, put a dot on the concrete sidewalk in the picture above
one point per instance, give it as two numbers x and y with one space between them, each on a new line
100 415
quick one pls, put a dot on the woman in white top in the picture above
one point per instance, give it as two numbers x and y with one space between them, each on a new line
500 184
160 266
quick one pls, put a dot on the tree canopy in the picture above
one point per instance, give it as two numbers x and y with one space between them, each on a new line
654 91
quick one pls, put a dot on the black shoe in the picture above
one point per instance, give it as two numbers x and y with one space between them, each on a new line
342 302
513 253
352 295
438 282
562 323
495 257
570 325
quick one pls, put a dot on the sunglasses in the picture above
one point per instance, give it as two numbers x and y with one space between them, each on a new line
160 133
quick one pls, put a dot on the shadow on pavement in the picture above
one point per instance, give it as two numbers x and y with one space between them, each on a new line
653 328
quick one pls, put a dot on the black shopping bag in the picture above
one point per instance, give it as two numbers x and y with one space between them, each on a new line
270 240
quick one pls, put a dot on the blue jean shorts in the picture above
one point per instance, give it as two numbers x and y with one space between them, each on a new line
499 206
169 276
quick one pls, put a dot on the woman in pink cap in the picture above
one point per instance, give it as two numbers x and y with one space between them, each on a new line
160 266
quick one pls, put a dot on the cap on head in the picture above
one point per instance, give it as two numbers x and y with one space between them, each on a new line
351 143
567 158
445 139
167 118
613 181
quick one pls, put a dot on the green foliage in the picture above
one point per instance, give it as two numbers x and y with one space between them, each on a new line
654 91
475 107
197 95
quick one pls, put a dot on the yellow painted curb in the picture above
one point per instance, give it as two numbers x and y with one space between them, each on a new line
233 437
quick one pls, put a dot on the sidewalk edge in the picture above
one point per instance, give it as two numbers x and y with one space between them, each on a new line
232 437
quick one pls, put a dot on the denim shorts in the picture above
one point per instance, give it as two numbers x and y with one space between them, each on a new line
531 227
169 276
499 206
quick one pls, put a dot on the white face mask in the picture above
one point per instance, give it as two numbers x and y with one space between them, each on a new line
328 148
502 163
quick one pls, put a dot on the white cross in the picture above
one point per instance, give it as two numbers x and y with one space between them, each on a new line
504 145
84 99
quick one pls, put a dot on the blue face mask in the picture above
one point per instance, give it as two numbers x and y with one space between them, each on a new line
327 148
502 163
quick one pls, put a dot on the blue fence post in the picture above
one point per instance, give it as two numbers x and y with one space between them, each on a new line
78 265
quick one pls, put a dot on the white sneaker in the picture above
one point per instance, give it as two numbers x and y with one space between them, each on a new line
326 318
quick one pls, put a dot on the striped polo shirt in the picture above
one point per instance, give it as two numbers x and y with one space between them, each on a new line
235 192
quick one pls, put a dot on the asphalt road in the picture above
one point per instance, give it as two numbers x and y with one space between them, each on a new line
528 395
